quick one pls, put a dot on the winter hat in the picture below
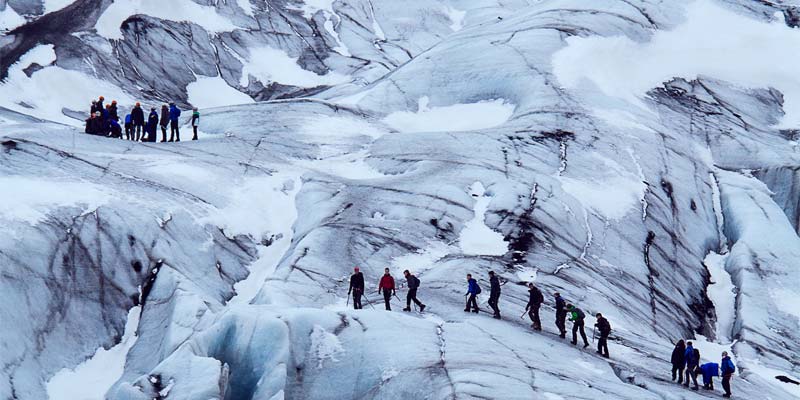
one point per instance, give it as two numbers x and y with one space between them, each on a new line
194 109
355 269
138 104
113 102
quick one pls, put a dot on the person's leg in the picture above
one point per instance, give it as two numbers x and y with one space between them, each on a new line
163 133
726 385
416 300
408 298
357 299
536 322
194 129
473 302
387 297
583 335
561 323
688 376
674 370
680 375
574 333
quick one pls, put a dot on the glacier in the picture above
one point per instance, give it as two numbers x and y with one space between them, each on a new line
640 157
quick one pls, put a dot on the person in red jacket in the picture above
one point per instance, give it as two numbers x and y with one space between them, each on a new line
386 286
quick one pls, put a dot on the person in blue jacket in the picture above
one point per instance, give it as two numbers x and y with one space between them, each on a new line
472 291
709 371
128 127
692 358
115 131
174 116
727 371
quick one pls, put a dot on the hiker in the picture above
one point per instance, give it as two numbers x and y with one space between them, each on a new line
473 290
106 120
195 122
535 300
115 130
137 116
93 109
90 123
99 104
152 126
128 127
494 294
561 315
727 372
604 327
386 286
174 115
692 357
96 124
112 111
413 285
678 360
709 371
577 317
164 122
356 287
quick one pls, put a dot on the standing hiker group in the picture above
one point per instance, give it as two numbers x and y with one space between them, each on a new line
684 357
104 120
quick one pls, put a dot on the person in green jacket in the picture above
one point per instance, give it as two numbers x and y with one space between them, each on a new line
577 317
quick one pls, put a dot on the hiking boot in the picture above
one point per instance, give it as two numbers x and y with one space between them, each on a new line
422 308
726 395
406 309
563 336
466 310
585 345
476 311
574 343
496 316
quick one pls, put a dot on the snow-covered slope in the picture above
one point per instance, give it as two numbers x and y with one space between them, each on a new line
446 137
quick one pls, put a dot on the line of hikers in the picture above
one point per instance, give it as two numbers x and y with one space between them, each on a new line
686 357
682 356
104 121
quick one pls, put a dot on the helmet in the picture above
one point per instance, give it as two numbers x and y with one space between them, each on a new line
355 269
102 98
137 104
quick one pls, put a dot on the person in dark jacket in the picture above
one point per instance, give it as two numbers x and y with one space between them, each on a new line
164 122
561 315
472 292
93 109
152 126
678 360
356 287
577 317
195 122
174 116
90 123
604 327
535 300
99 104
727 372
413 284
112 110
692 357
494 294
115 130
128 127
137 116
386 286
96 124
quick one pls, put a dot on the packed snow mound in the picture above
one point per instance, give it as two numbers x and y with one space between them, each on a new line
441 137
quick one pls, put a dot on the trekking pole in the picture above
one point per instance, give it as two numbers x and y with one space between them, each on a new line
523 314
593 329
367 299
348 300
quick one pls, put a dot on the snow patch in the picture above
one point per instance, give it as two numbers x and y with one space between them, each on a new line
325 345
247 7
423 259
29 200
734 48
92 379
209 92
456 117
612 196
268 65
108 25
258 206
528 274
9 19
722 293
476 238
456 18
49 90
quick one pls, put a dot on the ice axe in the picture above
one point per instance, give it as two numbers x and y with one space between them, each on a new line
523 314
348 300
593 329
